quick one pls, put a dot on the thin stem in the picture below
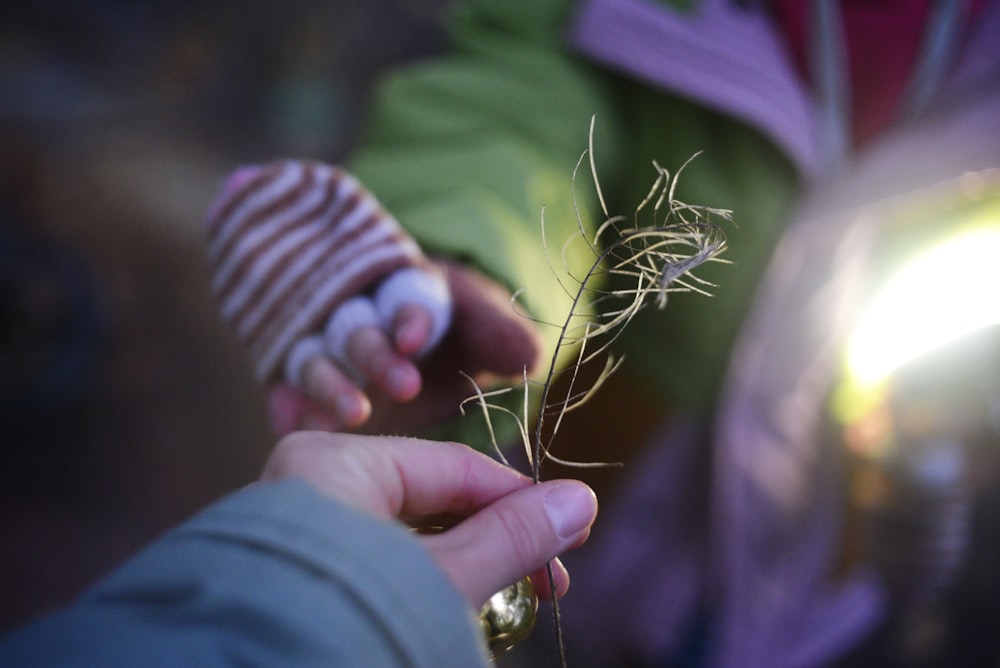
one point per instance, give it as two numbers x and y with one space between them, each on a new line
650 261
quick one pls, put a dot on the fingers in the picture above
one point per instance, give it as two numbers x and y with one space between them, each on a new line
415 293
327 385
394 477
412 329
285 407
376 342
318 394
369 343
512 527
407 316
515 536
332 373
540 579
290 410
370 353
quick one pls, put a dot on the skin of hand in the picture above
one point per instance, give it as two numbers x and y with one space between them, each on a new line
502 527
488 340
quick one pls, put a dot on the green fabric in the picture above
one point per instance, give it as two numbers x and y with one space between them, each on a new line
681 352
468 149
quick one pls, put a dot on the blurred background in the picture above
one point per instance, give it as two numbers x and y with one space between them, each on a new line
125 405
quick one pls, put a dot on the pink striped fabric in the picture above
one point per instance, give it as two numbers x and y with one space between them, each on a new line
288 242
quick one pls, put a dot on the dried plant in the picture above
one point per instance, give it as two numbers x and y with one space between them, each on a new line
652 254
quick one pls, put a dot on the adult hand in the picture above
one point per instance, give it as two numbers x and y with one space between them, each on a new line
389 387
502 527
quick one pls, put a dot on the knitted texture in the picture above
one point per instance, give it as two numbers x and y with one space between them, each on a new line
290 241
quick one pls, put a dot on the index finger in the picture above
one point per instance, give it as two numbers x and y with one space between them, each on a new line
371 353
392 477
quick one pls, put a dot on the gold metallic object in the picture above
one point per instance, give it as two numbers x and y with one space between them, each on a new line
509 616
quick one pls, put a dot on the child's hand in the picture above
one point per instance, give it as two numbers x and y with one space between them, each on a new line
344 316
388 372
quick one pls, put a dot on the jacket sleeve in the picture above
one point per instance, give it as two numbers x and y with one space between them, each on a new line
275 575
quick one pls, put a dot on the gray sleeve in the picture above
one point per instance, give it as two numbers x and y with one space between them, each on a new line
275 575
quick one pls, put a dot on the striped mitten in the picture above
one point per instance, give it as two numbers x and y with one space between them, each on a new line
299 248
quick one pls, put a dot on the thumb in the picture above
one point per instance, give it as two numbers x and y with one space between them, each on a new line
514 537
494 337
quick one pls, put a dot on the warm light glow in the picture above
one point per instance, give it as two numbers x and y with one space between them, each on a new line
951 290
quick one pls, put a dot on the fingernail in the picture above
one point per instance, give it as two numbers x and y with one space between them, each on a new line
571 508
347 408
403 381
352 409
410 337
